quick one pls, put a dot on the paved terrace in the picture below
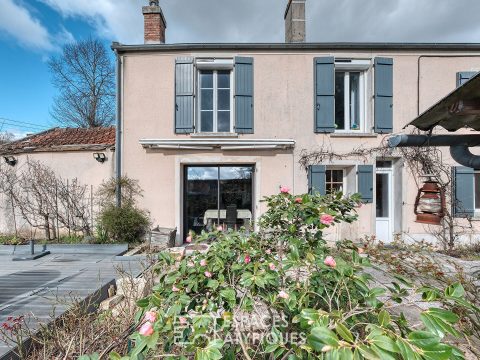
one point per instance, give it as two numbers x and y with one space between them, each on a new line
70 271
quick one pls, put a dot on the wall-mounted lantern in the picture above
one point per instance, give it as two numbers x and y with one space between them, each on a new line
100 157
430 203
10 160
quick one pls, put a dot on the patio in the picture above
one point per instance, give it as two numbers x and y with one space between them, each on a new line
45 286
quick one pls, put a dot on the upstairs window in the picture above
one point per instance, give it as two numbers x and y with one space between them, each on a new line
215 101
349 100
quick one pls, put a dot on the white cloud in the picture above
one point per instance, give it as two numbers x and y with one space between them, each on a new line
116 20
262 20
19 23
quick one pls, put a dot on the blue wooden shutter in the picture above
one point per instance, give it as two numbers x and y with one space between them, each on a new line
184 95
463 192
464 76
316 179
324 69
244 95
383 95
365 182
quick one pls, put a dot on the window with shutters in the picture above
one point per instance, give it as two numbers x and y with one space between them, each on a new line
350 94
335 180
215 101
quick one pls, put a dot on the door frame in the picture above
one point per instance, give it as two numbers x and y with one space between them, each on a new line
183 198
391 208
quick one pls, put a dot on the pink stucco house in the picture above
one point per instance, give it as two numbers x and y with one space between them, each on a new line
209 129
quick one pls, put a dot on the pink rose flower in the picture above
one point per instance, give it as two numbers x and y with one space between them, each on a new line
248 259
298 200
146 329
330 261
282 294
191 264
150 316
208 274
268 251
219 228
361 250
175 289
183 320
203 262
189 239
326 219
272 266
284 189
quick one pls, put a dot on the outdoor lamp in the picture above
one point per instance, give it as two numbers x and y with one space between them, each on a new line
10 160
100 157
430 203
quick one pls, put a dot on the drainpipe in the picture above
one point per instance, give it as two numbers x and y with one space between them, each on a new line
459 145
118 134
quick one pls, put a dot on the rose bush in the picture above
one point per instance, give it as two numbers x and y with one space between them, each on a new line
282 293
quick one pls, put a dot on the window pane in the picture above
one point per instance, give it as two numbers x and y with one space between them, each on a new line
223 79
477 190
206 79
355 100
337 175
224 99
207 100
340 100
384 163
207 121
329 175
223 121
382 195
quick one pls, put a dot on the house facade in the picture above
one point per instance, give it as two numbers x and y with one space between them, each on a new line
205 127
79 157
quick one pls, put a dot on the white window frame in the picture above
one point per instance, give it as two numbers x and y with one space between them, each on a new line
215 65
344 177
347 66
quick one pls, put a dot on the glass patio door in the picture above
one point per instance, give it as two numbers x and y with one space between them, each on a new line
384 203
210 189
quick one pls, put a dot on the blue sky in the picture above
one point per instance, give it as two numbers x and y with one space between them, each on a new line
33 30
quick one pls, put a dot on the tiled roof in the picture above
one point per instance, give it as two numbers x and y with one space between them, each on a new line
63 139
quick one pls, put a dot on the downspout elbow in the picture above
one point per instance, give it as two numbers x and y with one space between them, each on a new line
462 155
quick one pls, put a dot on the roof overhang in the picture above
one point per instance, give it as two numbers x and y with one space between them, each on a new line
223 144
459 109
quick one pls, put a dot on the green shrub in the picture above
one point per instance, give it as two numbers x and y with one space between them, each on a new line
124 224
318 304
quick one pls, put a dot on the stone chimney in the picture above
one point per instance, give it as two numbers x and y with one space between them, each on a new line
154 23
295 21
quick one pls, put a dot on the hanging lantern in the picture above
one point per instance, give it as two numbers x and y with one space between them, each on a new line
430 203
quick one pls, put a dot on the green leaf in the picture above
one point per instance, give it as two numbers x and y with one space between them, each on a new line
385 343
143 303
345 354
343 331
443 314
455 291
368 353
115 356
423 339
228 294
213 284
384 318
211 351
321 336
438 352
405 349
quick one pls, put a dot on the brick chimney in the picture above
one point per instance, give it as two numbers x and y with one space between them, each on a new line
295 21
154 23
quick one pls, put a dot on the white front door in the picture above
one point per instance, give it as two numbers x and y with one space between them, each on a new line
384 204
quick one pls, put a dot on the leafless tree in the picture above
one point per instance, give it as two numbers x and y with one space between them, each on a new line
84 75
46 201
5 137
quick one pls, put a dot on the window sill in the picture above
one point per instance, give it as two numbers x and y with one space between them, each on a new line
214 135
353 134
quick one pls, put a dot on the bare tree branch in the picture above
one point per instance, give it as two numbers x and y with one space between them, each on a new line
85 77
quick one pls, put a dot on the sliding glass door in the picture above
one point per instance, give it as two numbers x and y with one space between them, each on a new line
212 189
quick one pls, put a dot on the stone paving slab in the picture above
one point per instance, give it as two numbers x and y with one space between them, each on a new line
45 286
